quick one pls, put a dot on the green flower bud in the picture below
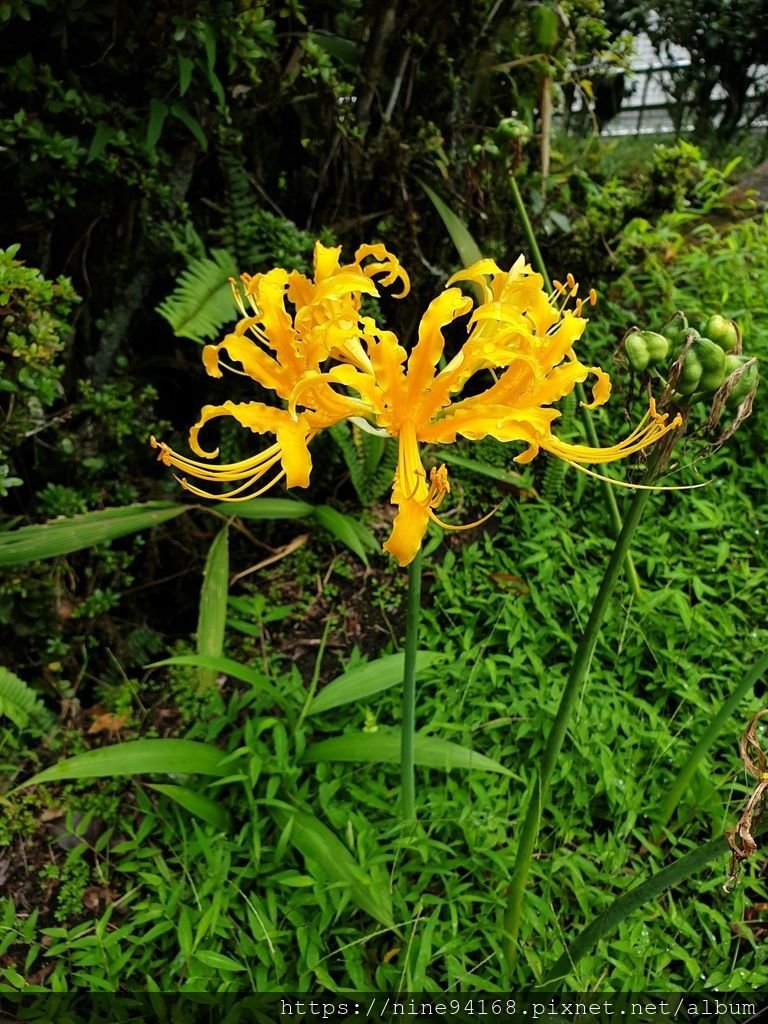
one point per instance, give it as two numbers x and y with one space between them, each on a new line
657 345
637 351
744 384
724 332
712 359
690 374
691 371
683 336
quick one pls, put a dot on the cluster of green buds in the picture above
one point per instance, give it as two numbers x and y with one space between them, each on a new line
696 364
509 133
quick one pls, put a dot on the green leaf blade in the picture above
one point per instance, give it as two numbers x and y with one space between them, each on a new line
267 508
218 961
63 536
346 529
383 747
365 681
325 851
137 757
223 666
466 246
212 615
196 803
630 901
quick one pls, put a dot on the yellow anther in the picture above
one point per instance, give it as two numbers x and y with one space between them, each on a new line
439 486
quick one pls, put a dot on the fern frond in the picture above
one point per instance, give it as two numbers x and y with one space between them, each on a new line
237 232
370 460
342 435
380 478
18 701
202 300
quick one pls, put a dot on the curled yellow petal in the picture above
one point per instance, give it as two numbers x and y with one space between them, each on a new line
386 264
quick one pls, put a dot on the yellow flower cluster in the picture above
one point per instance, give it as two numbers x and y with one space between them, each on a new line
308 341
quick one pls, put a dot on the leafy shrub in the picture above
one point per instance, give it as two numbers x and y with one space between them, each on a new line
34 333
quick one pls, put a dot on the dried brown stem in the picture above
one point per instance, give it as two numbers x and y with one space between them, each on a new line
741 839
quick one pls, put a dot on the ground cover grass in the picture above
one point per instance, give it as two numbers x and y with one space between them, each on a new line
113 885
153 897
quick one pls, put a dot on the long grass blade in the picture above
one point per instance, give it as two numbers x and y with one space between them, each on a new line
330 861
267 508
212 615
346 529
364 682
383 747
136 757
196 803
63 536
466 246
621 908
226 667
681 783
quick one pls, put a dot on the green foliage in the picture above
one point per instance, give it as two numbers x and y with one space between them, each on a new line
695 267
370 460
32 543
202 300
727 46
216 139
18 701
504 611
134 758
594 207
212 615
34 332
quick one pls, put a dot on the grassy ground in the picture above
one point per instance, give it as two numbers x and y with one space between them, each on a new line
116 886
111 884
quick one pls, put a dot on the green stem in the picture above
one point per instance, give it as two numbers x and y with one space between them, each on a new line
610 497
553 746
408 724
316 672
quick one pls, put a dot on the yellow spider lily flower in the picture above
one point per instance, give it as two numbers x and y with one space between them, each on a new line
520 336
277 348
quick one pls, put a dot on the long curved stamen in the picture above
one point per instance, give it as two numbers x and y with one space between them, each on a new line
230 476
229 495
251 479
651 428
211 471
463 526
636 487
439 486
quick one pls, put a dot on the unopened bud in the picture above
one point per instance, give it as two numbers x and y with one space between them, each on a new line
724 333
745 383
